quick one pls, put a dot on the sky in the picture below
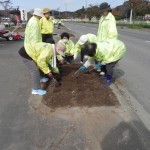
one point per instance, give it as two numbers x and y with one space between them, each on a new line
69 5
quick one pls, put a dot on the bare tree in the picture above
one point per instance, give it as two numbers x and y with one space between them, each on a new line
7 5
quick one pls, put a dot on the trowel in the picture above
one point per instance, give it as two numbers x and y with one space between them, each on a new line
57 84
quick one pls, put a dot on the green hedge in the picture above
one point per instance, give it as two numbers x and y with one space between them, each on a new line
134 26
131 26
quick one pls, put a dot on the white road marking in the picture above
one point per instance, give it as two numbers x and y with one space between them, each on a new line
94 28
147 41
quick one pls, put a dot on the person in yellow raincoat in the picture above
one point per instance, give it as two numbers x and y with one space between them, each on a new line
107 53
69 48
84 39
33 31
41 59
47 25
107 24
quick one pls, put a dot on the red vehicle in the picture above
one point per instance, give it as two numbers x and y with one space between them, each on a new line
10 36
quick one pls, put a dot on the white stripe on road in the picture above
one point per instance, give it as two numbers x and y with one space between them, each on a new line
147 41
93 28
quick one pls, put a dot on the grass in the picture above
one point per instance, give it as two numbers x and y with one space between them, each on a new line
134 26
122 25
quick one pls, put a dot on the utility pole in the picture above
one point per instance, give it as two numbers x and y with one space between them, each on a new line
86 5
58 9
66 5
18 7
86 2
131 13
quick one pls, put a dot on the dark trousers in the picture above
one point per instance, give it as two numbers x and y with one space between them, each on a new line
82 55
45 37
68 59
108 68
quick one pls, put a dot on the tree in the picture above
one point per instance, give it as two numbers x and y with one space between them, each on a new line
93 11
7 5
139 7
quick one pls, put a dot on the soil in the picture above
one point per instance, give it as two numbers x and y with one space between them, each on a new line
85 91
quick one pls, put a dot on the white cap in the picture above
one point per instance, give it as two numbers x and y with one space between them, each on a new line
38 12
83 39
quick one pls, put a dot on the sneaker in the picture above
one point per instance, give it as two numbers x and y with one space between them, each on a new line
39 92
98 70
81 62
44 80
102 73
107 83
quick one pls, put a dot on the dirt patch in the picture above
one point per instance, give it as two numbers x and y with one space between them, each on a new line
84 91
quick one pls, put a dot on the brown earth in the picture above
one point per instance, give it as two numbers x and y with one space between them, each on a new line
84 91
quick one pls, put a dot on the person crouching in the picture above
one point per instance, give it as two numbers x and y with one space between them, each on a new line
107 53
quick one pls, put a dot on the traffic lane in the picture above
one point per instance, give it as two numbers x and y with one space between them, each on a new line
93 28
9 77
80 29
13 94
4 43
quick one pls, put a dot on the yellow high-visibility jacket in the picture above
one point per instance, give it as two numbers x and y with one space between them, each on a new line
107 52
91 39
32 34
107 28
42 54
47 26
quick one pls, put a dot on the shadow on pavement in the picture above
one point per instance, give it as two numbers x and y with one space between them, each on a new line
118 73
127 136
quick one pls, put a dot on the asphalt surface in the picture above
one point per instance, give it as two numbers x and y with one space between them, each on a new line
134 69
25 128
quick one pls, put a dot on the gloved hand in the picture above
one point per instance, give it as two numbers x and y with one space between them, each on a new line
62 62
82 68
50 75
75 57
97 66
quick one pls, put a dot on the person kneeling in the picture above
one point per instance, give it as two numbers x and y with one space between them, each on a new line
66 45
108 53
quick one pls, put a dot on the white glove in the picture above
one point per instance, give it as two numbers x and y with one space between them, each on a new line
75 57
103 63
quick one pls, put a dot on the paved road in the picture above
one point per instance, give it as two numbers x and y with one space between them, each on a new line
23 128
134 69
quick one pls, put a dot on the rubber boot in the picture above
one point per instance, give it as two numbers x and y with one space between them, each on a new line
108 81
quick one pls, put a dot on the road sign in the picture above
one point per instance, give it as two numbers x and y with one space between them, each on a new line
24 16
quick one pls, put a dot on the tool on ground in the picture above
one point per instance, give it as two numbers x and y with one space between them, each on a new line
89 71
78 73
57 84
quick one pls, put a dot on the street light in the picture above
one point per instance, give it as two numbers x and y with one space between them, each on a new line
86 3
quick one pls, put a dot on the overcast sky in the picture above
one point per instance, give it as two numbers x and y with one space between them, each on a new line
70 5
